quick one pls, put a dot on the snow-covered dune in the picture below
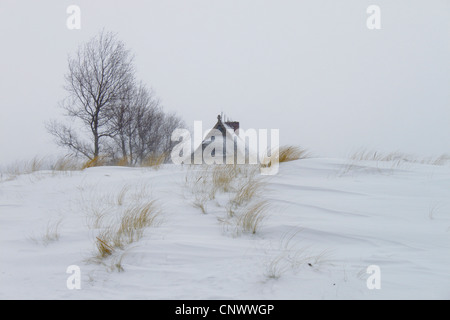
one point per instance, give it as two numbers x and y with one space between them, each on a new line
327 223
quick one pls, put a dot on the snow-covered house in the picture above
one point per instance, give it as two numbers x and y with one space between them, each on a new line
222 145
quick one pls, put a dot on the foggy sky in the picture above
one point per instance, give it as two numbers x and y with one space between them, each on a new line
311 69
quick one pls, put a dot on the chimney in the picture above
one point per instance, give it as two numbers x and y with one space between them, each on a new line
234 125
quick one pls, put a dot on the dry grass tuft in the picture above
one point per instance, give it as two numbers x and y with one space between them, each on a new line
136 219
198 182
247 191
98 215
122 162
118 223
398 157
239 181
116 263
291 153
50 235
290 257
129 229
66 163
387 162
245 211
24 167
37 164
285 154
442 160
200 202
154 160
222 177
98 161
122 194
250 220
103 248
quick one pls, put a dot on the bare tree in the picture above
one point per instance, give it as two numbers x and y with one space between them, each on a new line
129 120
67 137
170 122
143 129
119 118
121 123
99 75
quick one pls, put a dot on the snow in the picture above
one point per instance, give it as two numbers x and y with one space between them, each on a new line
329 221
